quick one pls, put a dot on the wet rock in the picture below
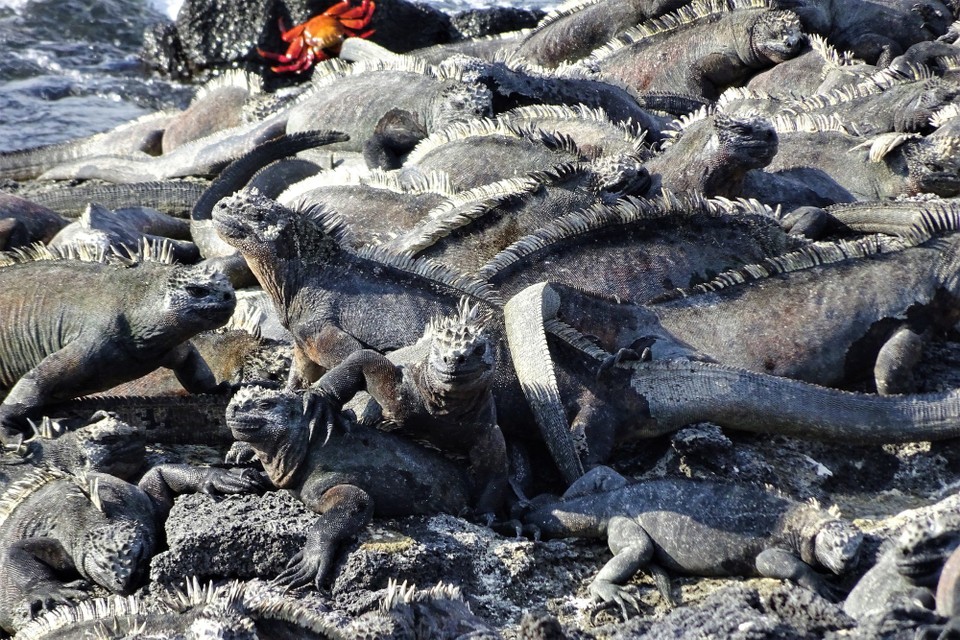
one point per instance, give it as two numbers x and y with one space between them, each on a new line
477 23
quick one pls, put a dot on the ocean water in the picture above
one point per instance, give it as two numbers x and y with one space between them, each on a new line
69 68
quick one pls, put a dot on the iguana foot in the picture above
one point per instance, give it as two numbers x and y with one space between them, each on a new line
223 481
624 355
610 593
51 595
302 570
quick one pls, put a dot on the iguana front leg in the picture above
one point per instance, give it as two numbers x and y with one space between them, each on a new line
780 563
28 570
62 375
191 369
316 350
344 510
632 549
164 481
897 359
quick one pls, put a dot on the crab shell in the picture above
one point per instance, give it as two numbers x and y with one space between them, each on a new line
321 36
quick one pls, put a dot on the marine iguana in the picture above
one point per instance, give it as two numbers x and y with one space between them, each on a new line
101 230
23 222
174 197
437 391
828 165
72 327
104 529
711 153
645 396
574 30
699 528
435 96
910 564
903 296
232 610
477 149
700 49
345 477
819 68
873 31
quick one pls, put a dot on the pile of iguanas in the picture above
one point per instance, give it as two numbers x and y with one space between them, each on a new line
492 276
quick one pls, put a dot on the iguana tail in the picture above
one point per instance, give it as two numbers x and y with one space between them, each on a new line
684 392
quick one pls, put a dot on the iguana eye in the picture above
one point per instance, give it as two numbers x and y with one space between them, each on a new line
195 292
480 349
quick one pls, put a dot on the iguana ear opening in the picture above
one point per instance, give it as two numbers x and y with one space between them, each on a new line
837 546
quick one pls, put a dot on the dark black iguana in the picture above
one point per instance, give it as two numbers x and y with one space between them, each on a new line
73 327
437 391
699 528
322 291
345 477
99 229
23 222
173 197
711 153
700 49
103 529
874 31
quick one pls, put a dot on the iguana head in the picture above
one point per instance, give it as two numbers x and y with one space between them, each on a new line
197 299
118 536
107 445
923 546
461 355
271 421
776 36
621 175
934 166
749 142
837 545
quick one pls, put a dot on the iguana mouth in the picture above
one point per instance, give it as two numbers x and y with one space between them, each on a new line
922 563
231 227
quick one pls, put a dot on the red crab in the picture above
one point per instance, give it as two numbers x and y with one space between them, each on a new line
320 37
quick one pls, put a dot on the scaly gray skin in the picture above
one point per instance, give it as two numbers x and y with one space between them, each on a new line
322 291
470 229
713 155
697 528
824 166
103 230
374 206
872 30
909 566
478 151
142 136
668 388
220 255
205 157
438 391
704 54
69 328
175 198
816 69
234 611
434 96
23 222
635 249
829 336
346 478
571 34
887 101
104 530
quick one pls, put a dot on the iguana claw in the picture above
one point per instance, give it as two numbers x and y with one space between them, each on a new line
610 593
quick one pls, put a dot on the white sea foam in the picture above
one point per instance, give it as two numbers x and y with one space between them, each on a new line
167 7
